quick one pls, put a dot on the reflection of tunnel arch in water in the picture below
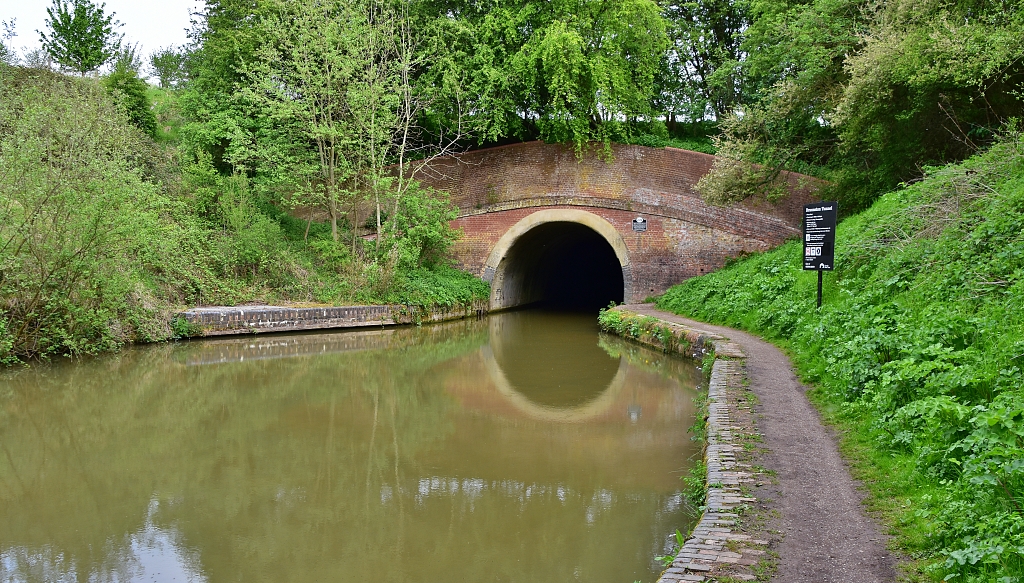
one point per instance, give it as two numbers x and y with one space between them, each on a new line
550 366
565 256
575 414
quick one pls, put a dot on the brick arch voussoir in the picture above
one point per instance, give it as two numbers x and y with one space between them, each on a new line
596 223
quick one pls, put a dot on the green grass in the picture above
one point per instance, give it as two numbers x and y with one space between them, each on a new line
636 327
168 116
917 356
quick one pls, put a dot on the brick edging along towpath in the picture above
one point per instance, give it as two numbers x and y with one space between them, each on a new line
725 541
805 504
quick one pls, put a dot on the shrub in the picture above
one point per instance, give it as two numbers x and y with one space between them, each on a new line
103 234
131 94
74 215
422 227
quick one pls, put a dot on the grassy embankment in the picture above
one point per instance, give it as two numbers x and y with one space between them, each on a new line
916 355
105 230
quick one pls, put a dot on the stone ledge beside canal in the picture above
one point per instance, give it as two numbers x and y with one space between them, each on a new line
724 544
222 321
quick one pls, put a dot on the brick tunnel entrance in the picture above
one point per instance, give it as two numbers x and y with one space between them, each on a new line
562 265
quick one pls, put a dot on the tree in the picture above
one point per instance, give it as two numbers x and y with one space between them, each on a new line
225 36
335 82
302 78
81 35
561 70
594 62
702 63
866 94
168 65
6 54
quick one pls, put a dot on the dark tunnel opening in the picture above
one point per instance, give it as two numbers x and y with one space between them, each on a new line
564 266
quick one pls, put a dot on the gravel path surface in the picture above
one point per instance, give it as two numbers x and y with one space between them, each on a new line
827 535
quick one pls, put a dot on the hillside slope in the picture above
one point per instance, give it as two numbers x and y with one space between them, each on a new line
917 354
104 232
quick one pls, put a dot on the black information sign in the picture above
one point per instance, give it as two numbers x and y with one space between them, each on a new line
820 235
640 224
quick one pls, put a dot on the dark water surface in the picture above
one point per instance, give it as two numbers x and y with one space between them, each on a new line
523 447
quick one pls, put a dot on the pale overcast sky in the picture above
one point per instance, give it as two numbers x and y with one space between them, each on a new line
151 24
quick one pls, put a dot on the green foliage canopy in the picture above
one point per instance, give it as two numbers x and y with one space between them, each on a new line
861 93
327 111
701 78
81 35
76 218
559 70
103 232
168 64
129 91
305 81
866 94
589 63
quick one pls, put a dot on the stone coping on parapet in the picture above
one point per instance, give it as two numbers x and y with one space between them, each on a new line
231 320
716 546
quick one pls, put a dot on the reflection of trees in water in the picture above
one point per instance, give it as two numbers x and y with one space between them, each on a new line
642 357
85 446
295 469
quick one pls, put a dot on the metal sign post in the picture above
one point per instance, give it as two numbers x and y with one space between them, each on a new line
820 238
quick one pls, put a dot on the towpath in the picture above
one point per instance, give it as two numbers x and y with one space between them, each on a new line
828 538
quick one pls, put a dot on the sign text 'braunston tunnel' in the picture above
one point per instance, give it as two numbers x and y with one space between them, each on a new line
544 226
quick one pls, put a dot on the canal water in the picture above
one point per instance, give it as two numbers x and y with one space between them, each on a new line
523 447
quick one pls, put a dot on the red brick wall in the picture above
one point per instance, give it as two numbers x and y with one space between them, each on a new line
497 187
670 251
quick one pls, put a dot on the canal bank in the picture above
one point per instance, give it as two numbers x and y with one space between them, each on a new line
790 505
234 320
732 538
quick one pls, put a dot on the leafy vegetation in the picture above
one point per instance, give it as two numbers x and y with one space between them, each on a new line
636 327
81 35
104 232
861 93
698 79
120 202
79 222
916 354
578 71
864 93
130 92
168 65
694 137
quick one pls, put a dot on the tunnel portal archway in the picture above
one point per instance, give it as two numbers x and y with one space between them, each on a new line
563 258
